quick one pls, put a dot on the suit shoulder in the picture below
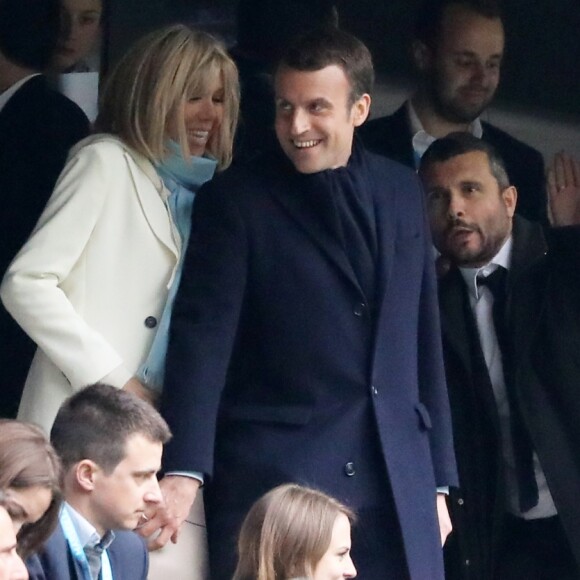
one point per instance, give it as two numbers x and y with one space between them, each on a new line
129 556
46 114
40 98
380 131
390 168
504 142
127 540
52 560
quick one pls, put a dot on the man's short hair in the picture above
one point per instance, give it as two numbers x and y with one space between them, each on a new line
330 46
29 31
96 423
460 143
431 13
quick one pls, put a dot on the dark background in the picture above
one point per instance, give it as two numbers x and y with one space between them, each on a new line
542 62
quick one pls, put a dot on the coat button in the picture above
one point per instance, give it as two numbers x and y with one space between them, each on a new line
460 501
374 390
349 469
359 309
467 562
151 322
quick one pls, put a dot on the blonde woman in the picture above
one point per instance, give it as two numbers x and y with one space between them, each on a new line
91 284
294 532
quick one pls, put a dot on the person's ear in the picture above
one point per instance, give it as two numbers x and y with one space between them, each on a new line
510 198
360 109
421 55
85 474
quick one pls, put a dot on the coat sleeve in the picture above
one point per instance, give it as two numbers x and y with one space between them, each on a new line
432 383
203 328
31 290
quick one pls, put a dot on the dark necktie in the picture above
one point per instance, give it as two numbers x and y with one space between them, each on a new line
94 553
523 449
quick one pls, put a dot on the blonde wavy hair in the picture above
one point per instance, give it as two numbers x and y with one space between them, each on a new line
152 82
286 533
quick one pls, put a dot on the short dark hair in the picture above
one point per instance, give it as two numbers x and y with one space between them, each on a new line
431 13
324 47
96 422
460 143
29 31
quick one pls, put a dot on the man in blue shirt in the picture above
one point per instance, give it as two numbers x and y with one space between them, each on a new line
110 443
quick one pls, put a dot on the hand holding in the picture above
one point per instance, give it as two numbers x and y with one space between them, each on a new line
164 522
445 526
136 388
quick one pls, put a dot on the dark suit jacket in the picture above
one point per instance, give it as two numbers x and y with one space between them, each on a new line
38 126
127 554
277 372
391 136
543 298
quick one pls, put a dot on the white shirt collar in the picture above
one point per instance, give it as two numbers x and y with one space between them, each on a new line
7 94
421 139
502 258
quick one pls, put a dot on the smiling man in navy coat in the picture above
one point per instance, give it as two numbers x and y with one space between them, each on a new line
305 339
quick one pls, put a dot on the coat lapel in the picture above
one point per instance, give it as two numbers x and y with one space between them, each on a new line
386 245
528 246
308 210
154 207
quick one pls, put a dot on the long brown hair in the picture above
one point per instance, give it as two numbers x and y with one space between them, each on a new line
27 459
286 533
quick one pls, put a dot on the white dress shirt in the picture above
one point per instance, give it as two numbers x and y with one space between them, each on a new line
422 140
481 300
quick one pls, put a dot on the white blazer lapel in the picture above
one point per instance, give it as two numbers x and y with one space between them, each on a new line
154 201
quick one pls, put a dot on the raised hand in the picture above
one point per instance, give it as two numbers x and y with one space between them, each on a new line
564 191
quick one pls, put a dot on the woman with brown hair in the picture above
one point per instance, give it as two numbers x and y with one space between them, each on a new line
294 532
30 478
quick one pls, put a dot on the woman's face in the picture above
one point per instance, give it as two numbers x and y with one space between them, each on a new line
11 565
336 563
202 116
33 501
80 30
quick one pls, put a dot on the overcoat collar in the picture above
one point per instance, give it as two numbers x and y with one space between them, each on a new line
307 207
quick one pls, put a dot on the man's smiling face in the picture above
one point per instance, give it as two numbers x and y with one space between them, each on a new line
315 117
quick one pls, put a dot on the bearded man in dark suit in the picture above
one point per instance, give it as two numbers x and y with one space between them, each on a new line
510 318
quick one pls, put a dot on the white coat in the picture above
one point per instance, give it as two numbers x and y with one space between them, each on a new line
91 281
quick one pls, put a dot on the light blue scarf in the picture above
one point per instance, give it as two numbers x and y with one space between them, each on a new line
182 178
